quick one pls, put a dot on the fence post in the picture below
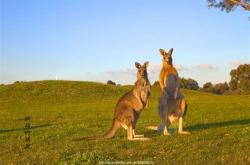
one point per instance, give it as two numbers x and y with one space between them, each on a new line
27 131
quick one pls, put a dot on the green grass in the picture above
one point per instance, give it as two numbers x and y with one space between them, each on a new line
63 110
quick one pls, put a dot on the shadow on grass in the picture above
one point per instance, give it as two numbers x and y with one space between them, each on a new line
23 129
198 127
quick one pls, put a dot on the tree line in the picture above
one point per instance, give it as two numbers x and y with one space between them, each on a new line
238 84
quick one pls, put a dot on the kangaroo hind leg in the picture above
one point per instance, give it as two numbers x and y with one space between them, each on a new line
180 130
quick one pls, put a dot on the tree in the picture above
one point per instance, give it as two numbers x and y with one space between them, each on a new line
111 82
192 84
189 84
234 79
208 87
229 5
183 83
220 88
240 79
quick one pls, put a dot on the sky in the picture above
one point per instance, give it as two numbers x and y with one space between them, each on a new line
97 40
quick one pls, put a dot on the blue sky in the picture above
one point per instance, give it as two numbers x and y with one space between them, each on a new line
97 40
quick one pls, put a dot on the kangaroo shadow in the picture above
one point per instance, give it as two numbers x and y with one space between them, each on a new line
23 129
198 127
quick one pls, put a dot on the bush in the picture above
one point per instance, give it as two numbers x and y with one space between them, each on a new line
219 88
207 87
189 84
111 82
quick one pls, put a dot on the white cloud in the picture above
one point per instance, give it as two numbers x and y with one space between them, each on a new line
181 68
205 66
128 76
154 68
121 72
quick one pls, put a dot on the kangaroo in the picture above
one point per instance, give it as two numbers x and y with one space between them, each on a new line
130 105
172 104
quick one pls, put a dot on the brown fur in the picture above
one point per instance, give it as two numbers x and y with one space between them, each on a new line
172 104
130 105
167 69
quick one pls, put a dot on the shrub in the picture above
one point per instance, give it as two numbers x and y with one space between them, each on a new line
111 82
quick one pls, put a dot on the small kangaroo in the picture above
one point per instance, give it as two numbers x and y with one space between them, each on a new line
130 105
172 104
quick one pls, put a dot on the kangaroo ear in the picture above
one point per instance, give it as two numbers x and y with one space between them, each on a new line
137 65
170 51
163 52
146 64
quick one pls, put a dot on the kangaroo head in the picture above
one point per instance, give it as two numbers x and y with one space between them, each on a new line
142 70
167 56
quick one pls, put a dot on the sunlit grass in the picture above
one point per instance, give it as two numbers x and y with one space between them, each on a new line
63 110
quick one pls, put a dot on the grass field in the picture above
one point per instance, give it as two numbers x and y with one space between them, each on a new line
63 110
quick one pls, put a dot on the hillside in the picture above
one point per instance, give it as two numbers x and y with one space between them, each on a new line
63 110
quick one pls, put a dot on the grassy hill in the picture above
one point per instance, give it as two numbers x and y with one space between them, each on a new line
63 110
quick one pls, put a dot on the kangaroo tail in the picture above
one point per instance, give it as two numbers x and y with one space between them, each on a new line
110 133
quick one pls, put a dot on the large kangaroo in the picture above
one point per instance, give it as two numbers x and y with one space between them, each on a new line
172 104
129 106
